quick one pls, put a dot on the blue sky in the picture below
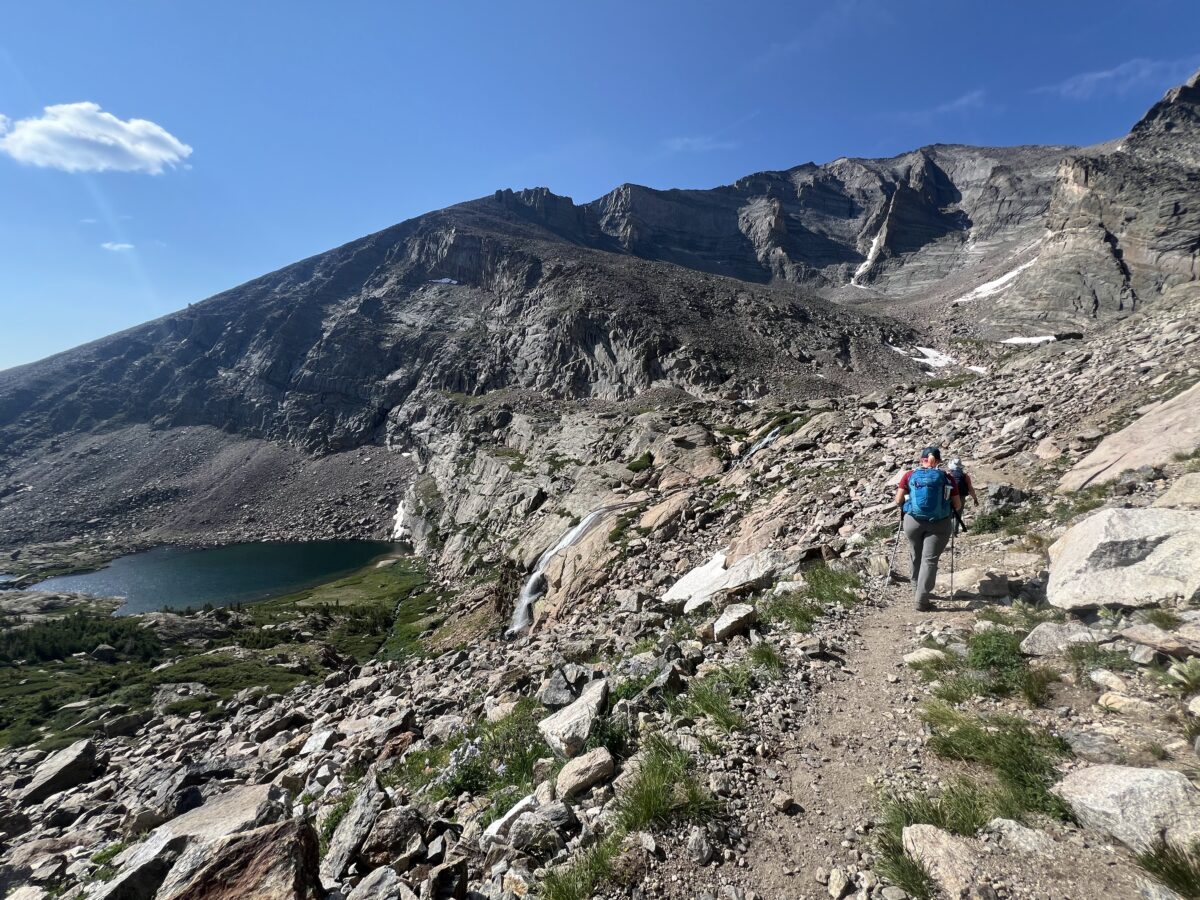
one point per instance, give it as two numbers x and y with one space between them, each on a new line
190 147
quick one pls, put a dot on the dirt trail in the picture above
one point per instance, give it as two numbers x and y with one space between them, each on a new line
859 731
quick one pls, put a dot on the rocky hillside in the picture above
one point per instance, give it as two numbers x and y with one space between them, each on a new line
653 638
721 693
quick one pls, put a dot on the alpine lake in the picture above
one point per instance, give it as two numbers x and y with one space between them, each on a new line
182 630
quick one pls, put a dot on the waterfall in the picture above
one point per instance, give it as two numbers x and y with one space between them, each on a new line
535 584
760 444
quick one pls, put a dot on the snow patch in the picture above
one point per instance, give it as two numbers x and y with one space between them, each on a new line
979 370
866 264
1040 339
443 281
934 358
996 285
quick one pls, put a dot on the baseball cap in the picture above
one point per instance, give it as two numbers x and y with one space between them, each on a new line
931 451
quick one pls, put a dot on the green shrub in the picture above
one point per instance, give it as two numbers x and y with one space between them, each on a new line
995 650
642 463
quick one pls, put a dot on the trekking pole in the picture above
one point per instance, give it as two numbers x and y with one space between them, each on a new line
895 549
953 532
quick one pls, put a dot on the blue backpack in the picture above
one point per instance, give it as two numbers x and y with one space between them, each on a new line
928 495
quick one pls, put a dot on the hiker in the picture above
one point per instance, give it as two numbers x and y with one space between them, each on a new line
928 497
966 488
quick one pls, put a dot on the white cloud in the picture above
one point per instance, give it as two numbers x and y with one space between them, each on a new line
702 143
116 247
1131 75
81 137
87 221
972 101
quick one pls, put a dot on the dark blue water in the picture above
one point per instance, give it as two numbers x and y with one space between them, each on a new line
177 577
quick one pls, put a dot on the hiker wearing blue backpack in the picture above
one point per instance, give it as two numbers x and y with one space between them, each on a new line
929 498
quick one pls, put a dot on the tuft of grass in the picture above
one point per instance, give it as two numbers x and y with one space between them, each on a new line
826 585
1163 618
664 790
1023 758
765 657
995 651
792 609
329 826
1086 657
582 878
1157 750
1177 868
711 697
1186 674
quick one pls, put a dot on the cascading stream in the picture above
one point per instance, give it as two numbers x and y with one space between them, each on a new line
535 584
760 444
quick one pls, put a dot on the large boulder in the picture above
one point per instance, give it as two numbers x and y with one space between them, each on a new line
1183 494
275 862
567 730
143 866
68 768
704 583
1171 427
352 831
1138 807
1127 557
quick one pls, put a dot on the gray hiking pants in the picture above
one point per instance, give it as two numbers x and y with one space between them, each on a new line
927 540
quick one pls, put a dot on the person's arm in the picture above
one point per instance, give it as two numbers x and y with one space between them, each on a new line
955 496
900 489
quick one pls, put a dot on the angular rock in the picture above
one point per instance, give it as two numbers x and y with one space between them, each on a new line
1157 639
353 830
952 862
1135 806
242 809
448 881
69 767
924 655
542 831
1126 705
1173 426
391 836
275 862
734 619
1127 557
1049 638
583 771
381 884
567 730
1015 836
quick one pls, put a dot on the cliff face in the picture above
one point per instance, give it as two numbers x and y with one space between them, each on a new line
325 353
768 286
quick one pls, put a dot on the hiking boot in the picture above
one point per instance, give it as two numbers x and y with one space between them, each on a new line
924 606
